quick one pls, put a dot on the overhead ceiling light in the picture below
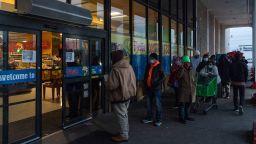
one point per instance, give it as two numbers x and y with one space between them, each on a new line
24 41
121 16
115 13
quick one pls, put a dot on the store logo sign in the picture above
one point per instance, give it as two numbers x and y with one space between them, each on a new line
74 71
17 76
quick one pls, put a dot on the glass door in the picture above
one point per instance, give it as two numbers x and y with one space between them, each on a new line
20 85
76 81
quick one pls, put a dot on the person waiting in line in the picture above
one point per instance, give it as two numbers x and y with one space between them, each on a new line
203 63
154 78
121 85
195 60
223 68
211 71
173 82
186 90
238 75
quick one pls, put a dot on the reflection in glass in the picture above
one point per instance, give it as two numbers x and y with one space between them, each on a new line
139 40
174 47
153 31
180 38
97 10
76 90
8 5
96 69
120 24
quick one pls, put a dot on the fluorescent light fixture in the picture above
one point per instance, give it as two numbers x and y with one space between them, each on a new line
121 16
115 13
24 41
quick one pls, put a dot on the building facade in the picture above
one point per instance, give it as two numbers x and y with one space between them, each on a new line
53 56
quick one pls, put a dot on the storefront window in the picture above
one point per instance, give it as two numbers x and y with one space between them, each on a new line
166 56
190 41
22 51
8 5
1 50
1 98
153 31
180 39
120 24
174 48
97 61
97 10
139 56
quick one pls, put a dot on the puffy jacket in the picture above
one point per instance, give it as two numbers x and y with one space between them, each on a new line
157 78
121 82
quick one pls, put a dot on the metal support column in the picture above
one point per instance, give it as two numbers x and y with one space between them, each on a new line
254 36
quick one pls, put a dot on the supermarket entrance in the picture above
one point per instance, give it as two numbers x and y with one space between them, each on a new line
49 81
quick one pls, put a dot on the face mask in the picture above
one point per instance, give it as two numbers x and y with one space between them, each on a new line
210 66
197 56
151 61
205 59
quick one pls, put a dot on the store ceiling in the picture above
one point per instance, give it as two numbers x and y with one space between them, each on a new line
232 13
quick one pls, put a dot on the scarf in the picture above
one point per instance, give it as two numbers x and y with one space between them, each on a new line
149 80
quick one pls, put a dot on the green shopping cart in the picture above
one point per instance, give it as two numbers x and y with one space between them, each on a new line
206 91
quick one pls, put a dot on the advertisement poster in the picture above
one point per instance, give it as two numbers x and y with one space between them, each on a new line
28 56
70 57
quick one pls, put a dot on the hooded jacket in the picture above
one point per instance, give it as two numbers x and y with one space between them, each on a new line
121 82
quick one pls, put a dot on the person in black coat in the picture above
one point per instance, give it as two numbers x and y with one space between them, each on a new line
203 63
153 79
238 75
223 68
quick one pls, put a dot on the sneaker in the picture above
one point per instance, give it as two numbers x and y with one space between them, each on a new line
190 119
182 121
158 123
119 139
147 121
236 110
241 110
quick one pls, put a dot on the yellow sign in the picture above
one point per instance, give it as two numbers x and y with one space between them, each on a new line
8 1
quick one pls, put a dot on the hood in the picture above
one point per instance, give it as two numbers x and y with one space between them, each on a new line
124 63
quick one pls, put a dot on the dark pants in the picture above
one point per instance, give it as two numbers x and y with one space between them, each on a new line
176 96
184 110
241 90
154 97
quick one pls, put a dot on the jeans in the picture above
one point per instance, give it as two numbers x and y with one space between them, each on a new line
184 110
241 90
121 112
154 97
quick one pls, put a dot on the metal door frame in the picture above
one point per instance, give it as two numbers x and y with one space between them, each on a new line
38 100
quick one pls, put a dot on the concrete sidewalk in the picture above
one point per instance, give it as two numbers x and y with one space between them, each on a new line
222 126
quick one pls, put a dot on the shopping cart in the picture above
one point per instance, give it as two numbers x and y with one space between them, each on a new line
206 91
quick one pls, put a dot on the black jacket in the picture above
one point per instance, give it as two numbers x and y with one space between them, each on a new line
224 68
238 71
157 77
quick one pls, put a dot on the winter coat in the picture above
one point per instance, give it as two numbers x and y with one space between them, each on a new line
195 62
214 70
121 82
223 68
238 72
187 86
157 78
